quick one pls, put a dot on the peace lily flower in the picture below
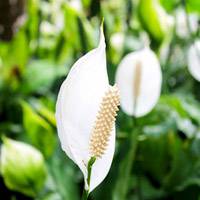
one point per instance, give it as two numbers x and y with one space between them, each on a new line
185 23
194 60
85 114
139 80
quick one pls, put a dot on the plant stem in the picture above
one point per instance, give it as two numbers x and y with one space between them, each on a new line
85 195
134 142
128 151
89 169
124 171
135 126
139 192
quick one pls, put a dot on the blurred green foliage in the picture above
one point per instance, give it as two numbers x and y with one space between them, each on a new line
22 167
162 160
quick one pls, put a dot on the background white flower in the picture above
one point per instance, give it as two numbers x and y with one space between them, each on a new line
182 29
139 80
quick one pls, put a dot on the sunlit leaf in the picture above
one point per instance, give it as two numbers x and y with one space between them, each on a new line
38 130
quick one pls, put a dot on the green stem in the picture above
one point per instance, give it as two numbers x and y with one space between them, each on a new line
85 195
124 174
128 152
132 151
134 139
135 143
139 192
89 169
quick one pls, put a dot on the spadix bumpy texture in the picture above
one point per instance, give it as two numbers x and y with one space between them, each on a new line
104 123
194 60
82 104
139 80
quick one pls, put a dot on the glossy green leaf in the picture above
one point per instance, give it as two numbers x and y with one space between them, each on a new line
39 132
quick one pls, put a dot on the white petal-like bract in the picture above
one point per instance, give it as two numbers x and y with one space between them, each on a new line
182 29
139 81
78 103
194 60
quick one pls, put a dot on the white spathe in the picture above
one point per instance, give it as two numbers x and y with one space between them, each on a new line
182 29
77 106
150 82
193 58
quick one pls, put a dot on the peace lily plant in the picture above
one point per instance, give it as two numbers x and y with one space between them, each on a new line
85 113
139 80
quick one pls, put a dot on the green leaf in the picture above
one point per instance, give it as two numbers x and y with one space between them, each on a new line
193 6
169 5
64 176
40 75
154 19
32 26
45 112
185 166
122 184
155 141
38 130
17 52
